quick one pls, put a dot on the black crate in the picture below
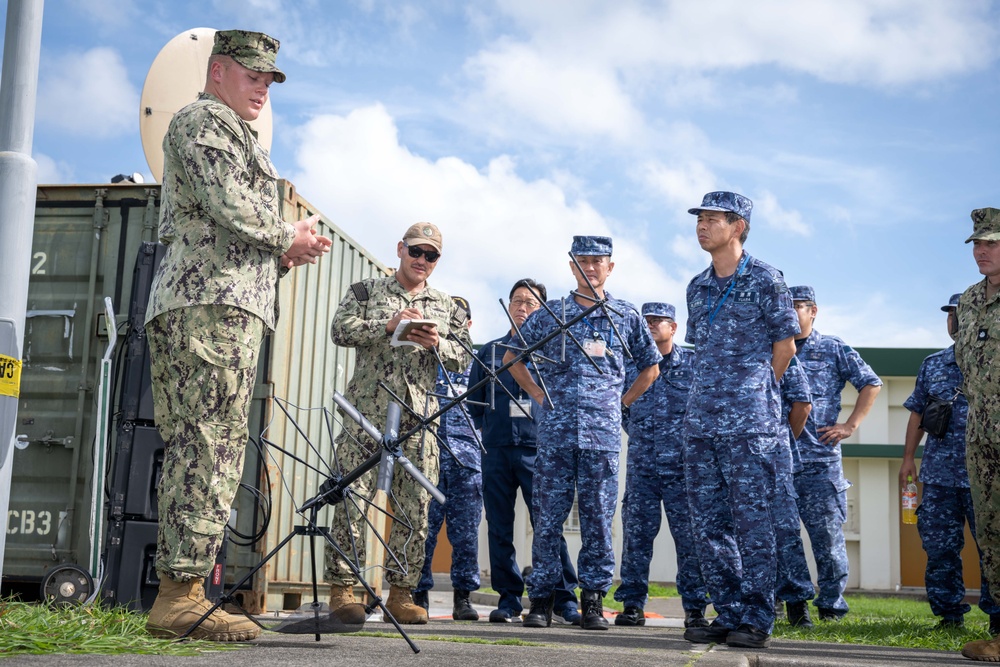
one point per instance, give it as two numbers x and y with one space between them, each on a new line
138 463
130 577
136 398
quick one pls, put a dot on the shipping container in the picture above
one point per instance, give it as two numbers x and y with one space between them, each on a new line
86 239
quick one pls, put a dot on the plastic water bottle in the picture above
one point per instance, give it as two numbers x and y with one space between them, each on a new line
910 501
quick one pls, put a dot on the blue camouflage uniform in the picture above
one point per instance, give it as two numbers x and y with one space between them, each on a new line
461 482
946 503
829 364
655 476
579 437
734 430
508 465
794 583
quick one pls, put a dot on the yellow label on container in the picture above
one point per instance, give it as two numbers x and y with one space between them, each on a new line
10 376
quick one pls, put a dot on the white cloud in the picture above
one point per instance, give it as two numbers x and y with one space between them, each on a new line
88 94
767 209
875 321
497 226
51 171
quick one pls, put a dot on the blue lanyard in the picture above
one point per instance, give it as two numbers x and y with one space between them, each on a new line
729 288
611 333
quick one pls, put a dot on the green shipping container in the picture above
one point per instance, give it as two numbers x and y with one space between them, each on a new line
86 239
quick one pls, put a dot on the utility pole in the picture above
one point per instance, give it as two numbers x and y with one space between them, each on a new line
18 186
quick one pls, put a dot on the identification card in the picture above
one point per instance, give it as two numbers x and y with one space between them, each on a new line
520 408
594 348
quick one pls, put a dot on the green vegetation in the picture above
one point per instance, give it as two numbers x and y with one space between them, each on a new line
28 628
890 621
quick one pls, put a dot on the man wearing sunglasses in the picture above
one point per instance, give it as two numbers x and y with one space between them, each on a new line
510 435
366 320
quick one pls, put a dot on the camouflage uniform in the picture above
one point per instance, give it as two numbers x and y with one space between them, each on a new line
212 300
655 476
461 482
579 439
977 351
829 364
734 430
411 373
946 502
509 465
793 583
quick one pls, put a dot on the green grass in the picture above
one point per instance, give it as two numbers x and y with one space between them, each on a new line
890 621
29 628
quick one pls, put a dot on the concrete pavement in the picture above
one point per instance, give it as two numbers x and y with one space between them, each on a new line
446 643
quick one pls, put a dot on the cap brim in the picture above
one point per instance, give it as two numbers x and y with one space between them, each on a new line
416 240
708 208
991 236
948 308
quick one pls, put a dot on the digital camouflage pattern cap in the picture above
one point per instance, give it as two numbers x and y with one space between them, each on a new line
952 303
591 245
803 293
658 309
725 201
464 303
423 233
254 50
985 225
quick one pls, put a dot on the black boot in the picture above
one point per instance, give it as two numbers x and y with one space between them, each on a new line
540 613
592 609
632 615
695 618
421 599
798 614
462 609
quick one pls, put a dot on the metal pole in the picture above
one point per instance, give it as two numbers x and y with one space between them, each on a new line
18 174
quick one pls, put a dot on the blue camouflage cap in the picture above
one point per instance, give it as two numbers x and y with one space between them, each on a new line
254 50
952 303
591 245
725 201
658 309
803 293
985 225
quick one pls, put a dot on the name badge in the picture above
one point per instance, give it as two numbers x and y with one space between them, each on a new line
594 348
746 296
521 408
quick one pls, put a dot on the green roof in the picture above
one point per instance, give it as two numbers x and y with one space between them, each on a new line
886 361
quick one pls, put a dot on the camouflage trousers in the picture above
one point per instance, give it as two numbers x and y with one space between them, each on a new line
941 521
982 459
644 494
560 474
463 488
794 583
730 485
203 367
408 501
822 504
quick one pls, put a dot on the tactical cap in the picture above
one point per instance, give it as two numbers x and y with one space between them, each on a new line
423 233
591 245
803 293
658 309
985 225
725 201
952 303
254 50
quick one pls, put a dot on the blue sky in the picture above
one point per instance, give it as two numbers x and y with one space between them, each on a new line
865 131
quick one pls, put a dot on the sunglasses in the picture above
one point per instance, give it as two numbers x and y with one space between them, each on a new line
415 252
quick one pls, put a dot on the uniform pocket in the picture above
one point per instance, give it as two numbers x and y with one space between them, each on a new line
223 354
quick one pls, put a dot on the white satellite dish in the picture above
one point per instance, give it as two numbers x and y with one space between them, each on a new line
174 80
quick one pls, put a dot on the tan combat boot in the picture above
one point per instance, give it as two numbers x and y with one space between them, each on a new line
179 604
987 650
403 608
343 606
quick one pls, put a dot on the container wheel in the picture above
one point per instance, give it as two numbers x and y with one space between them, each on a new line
67 585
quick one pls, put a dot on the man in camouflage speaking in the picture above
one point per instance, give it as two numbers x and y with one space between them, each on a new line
366 320
213 298
977 351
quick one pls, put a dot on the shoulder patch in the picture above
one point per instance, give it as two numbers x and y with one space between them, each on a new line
461 313
360 291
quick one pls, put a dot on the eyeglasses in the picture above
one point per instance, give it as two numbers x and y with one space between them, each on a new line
416 252
656 321
803 305
530 304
